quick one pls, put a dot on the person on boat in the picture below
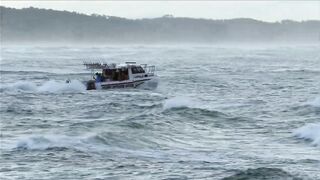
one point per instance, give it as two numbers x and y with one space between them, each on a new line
98 77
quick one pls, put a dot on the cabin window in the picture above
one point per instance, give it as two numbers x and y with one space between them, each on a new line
142 70
118 74
134 70
137 69
107 73
124 75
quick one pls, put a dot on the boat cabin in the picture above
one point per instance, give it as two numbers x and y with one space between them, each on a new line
103 72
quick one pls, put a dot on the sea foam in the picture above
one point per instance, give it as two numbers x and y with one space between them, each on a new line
178 102
310 132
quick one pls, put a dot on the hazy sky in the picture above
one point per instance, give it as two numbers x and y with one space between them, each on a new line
262 10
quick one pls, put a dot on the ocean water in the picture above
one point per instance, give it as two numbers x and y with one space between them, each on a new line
218 112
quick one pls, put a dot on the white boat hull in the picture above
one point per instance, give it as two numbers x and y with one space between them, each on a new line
124 84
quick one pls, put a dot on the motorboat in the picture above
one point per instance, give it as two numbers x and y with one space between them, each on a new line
127 75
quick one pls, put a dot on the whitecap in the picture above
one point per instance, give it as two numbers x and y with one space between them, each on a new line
315 102
178 102
310 132
43 142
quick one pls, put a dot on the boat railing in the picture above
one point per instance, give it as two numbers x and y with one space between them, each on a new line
148 69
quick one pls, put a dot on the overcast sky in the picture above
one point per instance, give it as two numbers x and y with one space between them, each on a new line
262 10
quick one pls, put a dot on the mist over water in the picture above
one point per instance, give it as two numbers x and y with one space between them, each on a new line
218 112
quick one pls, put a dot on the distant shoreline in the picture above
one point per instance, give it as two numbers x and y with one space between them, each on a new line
164 16
33 25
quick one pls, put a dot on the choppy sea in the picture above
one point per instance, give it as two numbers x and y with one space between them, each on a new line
218 112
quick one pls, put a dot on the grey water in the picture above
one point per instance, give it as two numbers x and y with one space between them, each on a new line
218 112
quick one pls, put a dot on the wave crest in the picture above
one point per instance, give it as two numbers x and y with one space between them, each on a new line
95 142
191 108
46 142
178 102
310 132
315 102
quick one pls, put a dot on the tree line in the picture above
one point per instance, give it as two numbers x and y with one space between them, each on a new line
46 25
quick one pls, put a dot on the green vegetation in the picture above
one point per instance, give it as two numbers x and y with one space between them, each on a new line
33 25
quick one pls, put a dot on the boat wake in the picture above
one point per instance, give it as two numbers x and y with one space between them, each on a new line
309 132
47 87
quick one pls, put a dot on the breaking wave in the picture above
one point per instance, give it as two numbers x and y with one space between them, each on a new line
262 173
178 102
315 102
49 86
45 142
96 142
309 132
57 142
